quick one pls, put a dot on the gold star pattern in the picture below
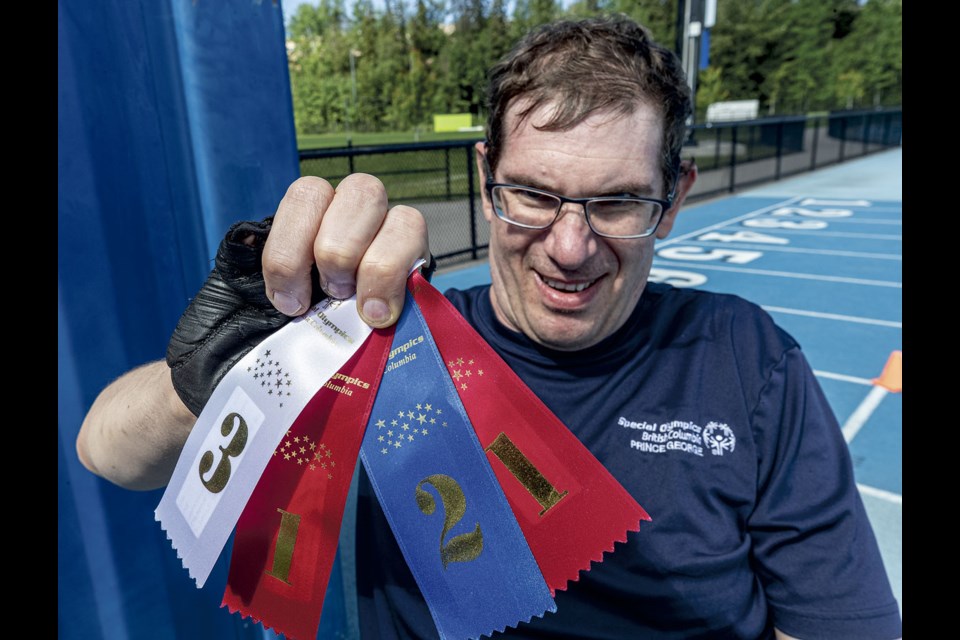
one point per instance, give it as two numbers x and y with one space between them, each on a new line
308 454
463 368
272 377
402 431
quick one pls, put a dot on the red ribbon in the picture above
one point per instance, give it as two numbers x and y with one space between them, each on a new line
570 508
286 538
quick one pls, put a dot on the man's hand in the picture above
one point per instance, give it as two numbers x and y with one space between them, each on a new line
358 244
134 432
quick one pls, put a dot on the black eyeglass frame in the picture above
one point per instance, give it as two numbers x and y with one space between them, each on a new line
665 205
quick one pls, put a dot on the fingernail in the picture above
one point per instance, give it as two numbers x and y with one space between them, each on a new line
339 290
376 311
286 303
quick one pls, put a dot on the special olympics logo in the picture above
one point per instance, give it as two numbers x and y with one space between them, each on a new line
719 437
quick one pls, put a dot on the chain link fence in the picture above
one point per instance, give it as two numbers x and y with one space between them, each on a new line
440 178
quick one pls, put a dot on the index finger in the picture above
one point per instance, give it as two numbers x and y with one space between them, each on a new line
288 252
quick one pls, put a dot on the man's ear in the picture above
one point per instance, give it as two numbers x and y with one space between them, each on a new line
688 175
481 150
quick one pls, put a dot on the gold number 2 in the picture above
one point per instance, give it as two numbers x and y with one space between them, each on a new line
462 548
221 474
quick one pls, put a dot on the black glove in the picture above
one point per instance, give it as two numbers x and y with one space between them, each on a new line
229 316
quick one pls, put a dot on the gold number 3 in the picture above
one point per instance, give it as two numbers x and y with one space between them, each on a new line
221 474
462 548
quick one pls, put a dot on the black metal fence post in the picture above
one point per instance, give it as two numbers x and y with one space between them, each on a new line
733 157
350 155
813 146
446 161
471 194
843 137
716 152
779 149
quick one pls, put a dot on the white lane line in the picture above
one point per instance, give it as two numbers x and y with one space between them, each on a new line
862 413
836 234
846 220
819 252
725 223
835 316
780 274
843 377
889 496
824 202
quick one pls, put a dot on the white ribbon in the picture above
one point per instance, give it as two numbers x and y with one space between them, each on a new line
243 422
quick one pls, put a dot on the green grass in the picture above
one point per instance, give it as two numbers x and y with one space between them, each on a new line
327 140
409 175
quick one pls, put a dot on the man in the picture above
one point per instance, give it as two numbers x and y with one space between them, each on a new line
757 530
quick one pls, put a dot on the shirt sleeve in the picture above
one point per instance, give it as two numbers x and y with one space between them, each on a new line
813 547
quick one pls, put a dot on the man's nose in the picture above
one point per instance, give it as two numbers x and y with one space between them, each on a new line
570 241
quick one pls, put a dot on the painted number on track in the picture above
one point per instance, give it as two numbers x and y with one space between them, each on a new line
700 254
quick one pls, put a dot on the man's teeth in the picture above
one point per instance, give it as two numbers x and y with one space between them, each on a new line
564 286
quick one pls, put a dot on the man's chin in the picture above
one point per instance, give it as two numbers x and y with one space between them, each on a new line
566 332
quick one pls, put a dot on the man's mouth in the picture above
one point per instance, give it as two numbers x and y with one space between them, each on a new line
569 287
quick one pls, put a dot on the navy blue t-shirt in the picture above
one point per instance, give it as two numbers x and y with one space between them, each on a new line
709 415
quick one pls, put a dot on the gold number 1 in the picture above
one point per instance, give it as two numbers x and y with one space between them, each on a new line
524 471
283 550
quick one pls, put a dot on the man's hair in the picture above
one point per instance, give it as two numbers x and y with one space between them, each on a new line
590 66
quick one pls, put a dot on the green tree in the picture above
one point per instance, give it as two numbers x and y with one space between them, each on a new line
850 88
875 50
710 89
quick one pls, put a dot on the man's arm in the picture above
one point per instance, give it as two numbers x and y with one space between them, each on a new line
135 430
133 433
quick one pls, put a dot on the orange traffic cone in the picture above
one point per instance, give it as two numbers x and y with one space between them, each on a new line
891 378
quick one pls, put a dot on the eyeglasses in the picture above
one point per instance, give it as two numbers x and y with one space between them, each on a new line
607 216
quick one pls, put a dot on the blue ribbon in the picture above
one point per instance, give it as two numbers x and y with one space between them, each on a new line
447 511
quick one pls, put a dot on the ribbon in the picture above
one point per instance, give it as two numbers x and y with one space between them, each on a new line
242 424
443 502
570 508
286 538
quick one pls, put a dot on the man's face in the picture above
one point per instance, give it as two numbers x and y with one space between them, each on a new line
566 287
